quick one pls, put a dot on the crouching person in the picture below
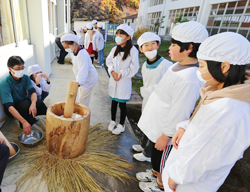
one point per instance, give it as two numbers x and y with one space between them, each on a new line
13 92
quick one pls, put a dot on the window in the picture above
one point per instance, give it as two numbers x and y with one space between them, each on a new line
132 20
233 16
126 20
155 2
6 25
14 26
128 23
152 19
177 15
21 19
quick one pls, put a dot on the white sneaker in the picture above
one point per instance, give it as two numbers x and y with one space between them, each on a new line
141 157
98 66
112 125
149 186
137 148
146 176
9 188
119 129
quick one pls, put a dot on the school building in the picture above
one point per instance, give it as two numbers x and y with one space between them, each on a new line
28 28
217 15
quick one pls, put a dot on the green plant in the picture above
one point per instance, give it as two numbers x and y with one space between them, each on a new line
180 19
139 32
158 23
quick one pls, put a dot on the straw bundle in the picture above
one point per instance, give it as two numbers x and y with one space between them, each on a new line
70 174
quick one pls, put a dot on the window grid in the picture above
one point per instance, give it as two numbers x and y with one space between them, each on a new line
155 2
152 18
235 19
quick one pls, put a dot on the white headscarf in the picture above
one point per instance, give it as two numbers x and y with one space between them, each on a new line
127 29
147 37
227 46
190 32
69 37
34 69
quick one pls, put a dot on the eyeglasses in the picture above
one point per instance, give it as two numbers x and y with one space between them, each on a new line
19 68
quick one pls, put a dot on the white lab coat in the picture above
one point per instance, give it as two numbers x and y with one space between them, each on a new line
214 140
81 37
122 89
87 41
99 41
85 73
172 101
44 86
151 78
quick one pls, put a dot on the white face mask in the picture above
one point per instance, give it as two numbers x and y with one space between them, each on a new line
18 74
151 54
199 75
118 40
69 50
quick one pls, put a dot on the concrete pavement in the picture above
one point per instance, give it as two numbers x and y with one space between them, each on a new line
100 113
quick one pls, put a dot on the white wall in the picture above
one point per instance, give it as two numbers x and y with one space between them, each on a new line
132 25
42 47
205 6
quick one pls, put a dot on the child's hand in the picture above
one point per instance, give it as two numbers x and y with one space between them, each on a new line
177 137
2 141
162 142
115 76
38 79
119 76
46 77
172 185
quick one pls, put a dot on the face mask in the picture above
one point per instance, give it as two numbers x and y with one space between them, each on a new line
18 74
118 40
199 75
151 54
69 50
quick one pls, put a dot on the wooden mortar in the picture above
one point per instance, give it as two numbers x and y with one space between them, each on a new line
67 137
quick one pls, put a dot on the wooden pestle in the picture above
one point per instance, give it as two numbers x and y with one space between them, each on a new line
71 98
12 150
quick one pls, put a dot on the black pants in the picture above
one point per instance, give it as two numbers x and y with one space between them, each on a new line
63 53
23 108
146 145
123 109
92 59
4 157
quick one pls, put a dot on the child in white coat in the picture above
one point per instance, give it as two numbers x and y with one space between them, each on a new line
123 64
218 132
90 41
152 72
172 100
85 73
40 81
99 45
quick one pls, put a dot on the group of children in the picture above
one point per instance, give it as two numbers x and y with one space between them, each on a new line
93 38
208 140
190 150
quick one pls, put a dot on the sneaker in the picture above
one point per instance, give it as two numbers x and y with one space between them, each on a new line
137 148
9 188
146 176
98 66
112 125
119 129
141 157
150 187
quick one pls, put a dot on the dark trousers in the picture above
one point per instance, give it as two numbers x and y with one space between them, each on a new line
146 145
63 53
23 108
4 157
123 108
